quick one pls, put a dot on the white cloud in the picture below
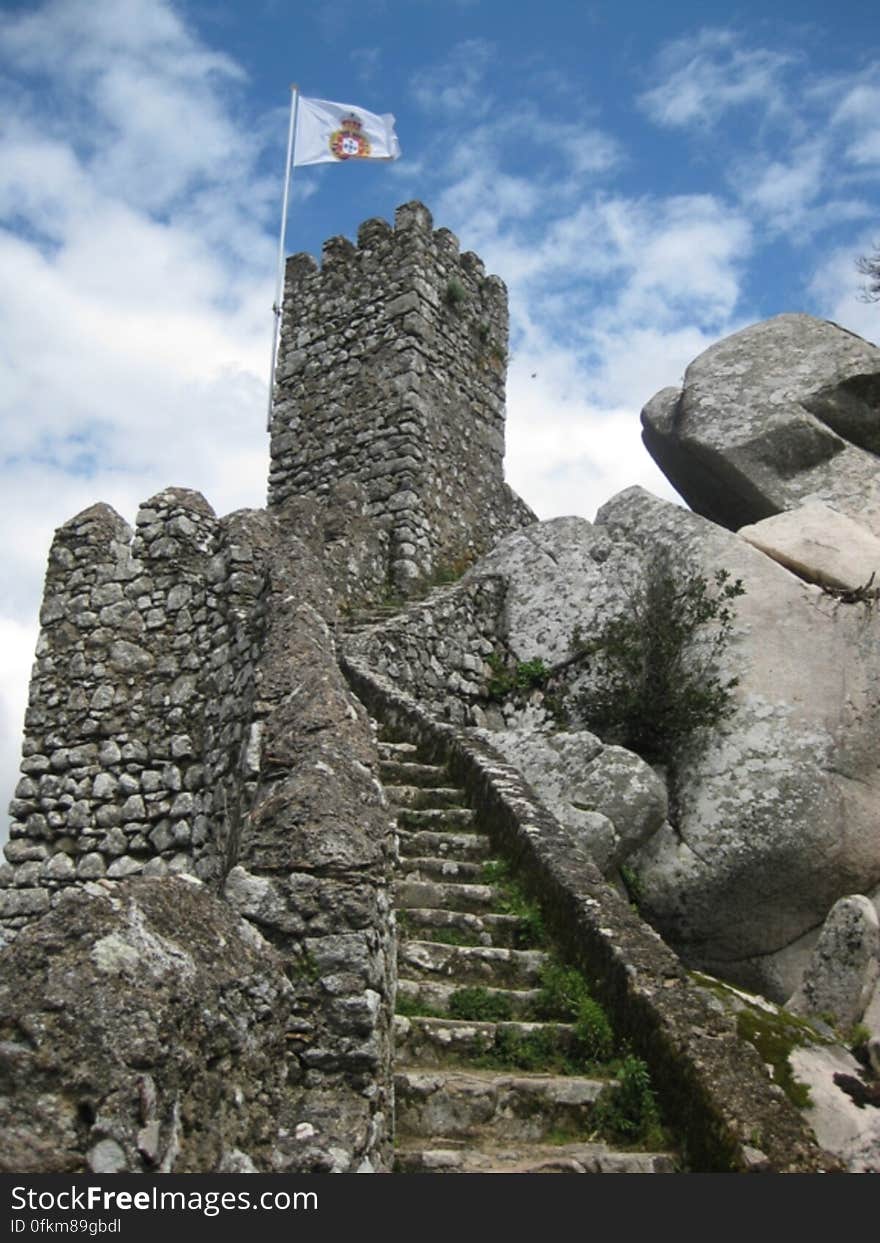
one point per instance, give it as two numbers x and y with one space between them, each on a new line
17 643
857 115
366 61
707 74
456 87
836 285
137 280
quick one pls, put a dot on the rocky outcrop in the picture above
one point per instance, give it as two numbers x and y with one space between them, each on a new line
842 973
783 412
740 878
775 815
608 798
820 545
142 1030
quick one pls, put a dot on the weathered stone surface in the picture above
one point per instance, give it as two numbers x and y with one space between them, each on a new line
557 575
712 1083
609 798
850 1131
779 413
129 1044
392 362
843 970
439 647
820 544
776 812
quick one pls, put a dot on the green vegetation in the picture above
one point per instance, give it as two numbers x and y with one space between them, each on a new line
479 1005
412 1008
654 675
521 675
633 886
304 967
774 1035
564 996
455 294
530 1051
858 1036
451 571
446 936
628 1113
513 900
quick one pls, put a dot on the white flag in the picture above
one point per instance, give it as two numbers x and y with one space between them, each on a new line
328 133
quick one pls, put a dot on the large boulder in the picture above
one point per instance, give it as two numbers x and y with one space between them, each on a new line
143 1029
608 798
782 412
559 575
821 545
775 812
842 974
773 816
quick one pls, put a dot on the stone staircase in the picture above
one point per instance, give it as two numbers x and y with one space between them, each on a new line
482 1084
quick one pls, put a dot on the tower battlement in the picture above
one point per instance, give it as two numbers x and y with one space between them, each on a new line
391 372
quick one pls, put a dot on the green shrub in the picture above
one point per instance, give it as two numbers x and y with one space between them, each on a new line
595 1039
654 678
521 675
536 1051
513 900
455 293
478 1005
628 1113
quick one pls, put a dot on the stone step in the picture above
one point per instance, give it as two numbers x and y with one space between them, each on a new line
460 1158
442 869
478 899
436 819
431 997
389 750
428 1042
459 1103
408 772
463 928
488 965
450 845
421 797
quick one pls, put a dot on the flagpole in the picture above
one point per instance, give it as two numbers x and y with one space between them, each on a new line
279 280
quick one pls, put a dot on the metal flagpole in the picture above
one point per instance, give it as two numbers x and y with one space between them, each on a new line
279 281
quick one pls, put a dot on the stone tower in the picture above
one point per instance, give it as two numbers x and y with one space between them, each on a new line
391 373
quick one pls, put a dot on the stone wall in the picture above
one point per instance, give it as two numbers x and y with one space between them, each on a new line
312 872
437 649
139 701
187 715
391 372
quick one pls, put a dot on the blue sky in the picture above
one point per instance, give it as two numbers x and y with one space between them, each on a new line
645 177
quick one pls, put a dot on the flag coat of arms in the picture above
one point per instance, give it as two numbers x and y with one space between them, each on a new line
330 133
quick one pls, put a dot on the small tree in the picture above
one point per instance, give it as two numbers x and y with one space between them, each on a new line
653 673
869 266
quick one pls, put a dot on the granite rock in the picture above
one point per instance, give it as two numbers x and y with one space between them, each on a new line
782 412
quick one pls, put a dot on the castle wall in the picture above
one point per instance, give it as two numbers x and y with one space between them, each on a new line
114 756
391 372
187 715
437 649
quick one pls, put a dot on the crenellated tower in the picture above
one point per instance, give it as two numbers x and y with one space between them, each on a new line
391 373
